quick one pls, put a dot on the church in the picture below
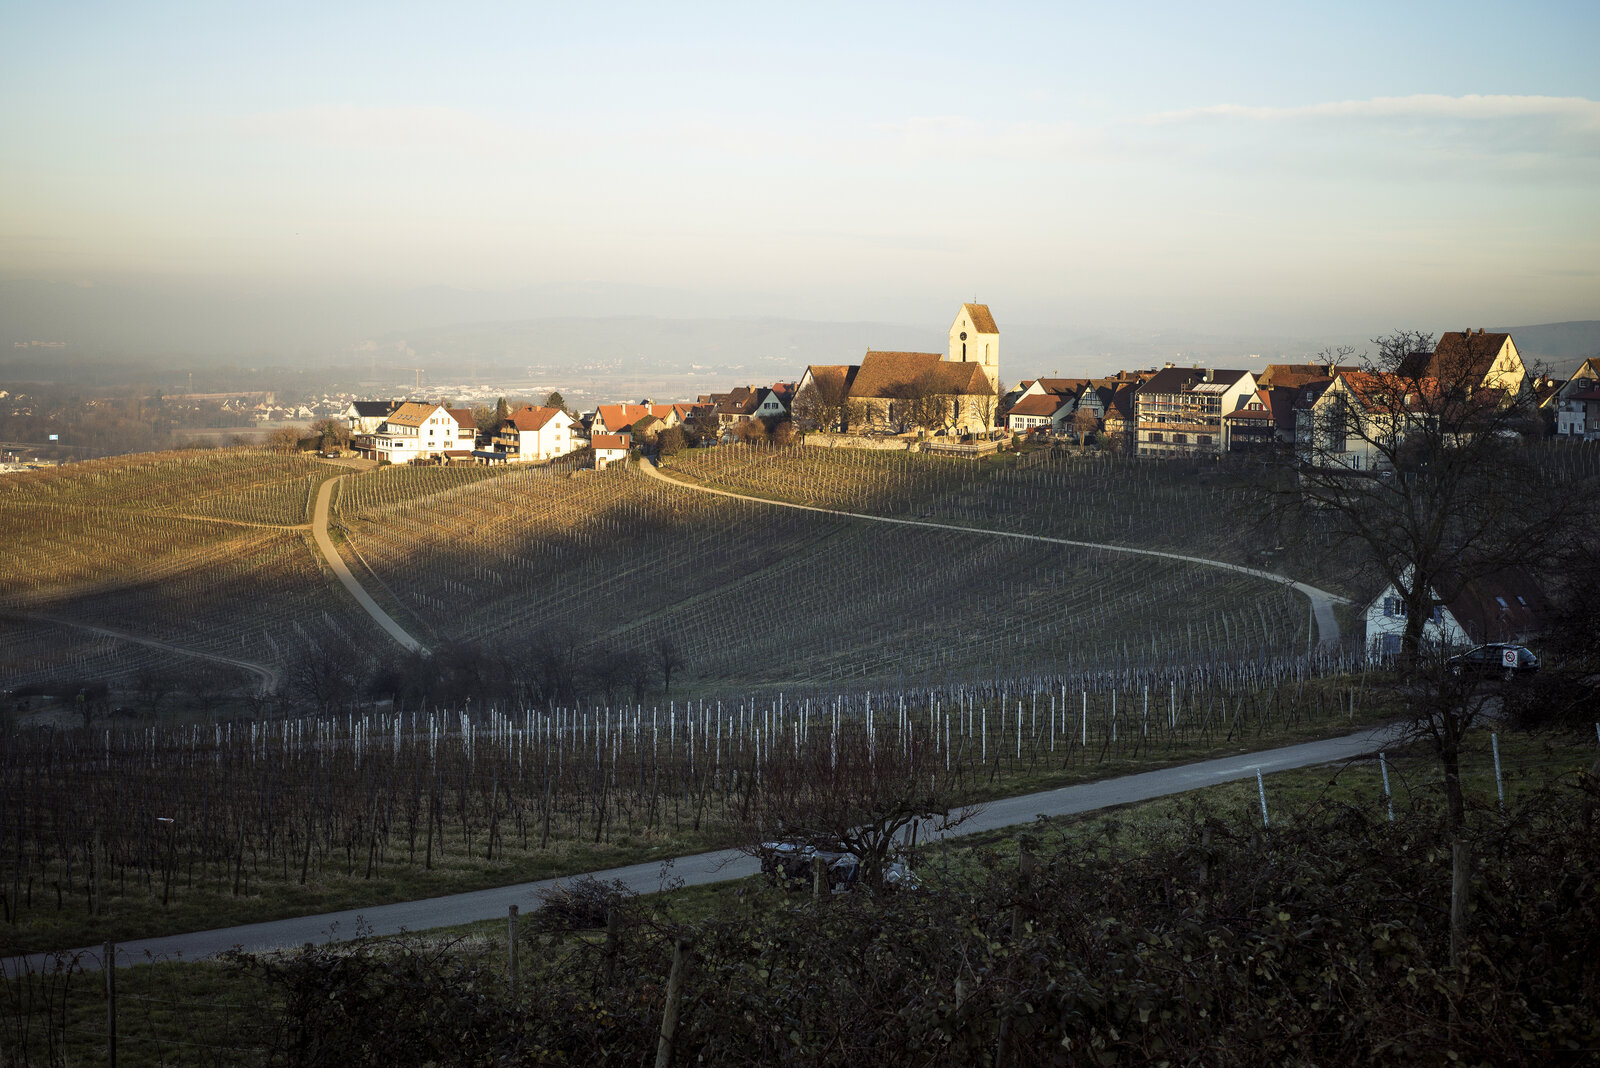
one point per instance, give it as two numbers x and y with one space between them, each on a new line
956 392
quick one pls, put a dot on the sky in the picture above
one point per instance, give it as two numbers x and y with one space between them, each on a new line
1231 166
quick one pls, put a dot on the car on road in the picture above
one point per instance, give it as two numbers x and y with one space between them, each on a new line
793 862
1496 659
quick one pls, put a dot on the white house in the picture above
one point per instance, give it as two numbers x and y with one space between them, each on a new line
364 417
413 432
1505 606
534 433
609 448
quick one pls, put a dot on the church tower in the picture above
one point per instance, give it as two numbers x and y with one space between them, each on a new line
975 339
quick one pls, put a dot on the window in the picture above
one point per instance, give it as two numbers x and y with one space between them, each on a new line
1202 439
1391 645
1502 602
1180 439
1394 606
1155 436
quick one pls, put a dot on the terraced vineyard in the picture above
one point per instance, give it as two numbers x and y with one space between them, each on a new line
759 596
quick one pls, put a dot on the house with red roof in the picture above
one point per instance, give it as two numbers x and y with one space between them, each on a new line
609 448
619 418
532 434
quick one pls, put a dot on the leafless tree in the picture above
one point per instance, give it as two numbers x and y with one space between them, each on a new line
668 660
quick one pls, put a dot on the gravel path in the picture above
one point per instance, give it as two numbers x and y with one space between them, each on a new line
319 530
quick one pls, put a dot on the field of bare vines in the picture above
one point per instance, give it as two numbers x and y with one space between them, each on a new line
133 830
757 596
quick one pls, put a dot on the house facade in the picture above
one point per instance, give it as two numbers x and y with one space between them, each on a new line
533 434
609 449
1577 404
1180 409
1504 606
416 431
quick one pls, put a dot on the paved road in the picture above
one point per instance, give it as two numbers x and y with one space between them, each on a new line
1322 601
269 676
319 530
720 866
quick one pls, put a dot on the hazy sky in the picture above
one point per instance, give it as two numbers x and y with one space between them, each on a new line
1229 165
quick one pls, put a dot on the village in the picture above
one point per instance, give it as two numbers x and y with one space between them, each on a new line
957 402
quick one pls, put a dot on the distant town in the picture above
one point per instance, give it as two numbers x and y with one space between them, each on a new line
955 402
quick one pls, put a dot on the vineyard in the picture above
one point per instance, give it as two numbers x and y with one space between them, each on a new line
123 831
754 596
1197 509
199 550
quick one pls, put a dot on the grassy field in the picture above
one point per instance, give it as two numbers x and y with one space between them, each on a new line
221 1013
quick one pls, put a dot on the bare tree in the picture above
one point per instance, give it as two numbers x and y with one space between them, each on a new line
1422 463
1084 423
861 794
668 660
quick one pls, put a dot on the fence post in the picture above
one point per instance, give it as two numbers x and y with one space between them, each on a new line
1383 765
669 1015
511 950
1261 787
613 922
1499 786
108 964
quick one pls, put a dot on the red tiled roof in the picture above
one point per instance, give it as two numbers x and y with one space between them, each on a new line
1045 404
881 373
610 441
1458 355
532 418
621 416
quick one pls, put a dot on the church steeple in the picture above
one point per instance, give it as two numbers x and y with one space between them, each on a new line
975 339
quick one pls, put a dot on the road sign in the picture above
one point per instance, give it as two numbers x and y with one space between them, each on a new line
1508 658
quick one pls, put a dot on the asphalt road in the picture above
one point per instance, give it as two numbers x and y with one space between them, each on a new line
1322 601
705 868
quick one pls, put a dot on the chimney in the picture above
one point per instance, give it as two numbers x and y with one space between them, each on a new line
1211 374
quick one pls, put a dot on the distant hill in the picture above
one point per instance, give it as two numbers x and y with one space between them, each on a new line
1558 344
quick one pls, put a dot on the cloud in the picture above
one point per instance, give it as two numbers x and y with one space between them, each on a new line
1576 110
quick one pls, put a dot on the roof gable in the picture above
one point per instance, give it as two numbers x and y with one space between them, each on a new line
413 413
982 320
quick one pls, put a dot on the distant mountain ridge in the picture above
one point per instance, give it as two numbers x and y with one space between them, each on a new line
1558 344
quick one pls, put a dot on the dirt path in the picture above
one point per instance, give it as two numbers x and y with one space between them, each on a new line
269 676
319 530
1322 601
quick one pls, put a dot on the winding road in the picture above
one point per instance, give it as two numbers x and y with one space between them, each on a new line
319 531
1322 601
720 866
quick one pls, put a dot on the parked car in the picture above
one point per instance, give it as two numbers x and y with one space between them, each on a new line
1507 661
793 861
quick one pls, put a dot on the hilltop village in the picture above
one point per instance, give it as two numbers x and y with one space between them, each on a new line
957 402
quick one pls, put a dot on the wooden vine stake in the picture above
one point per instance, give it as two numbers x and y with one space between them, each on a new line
669 1015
